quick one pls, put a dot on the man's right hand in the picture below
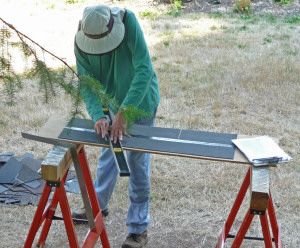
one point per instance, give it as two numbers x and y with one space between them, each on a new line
101 127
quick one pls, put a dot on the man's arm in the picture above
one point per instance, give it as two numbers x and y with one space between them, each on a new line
93 103
141 60
143 73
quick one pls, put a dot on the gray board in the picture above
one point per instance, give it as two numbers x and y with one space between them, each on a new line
217 145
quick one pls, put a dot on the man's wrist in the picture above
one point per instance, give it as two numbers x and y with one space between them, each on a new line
98 117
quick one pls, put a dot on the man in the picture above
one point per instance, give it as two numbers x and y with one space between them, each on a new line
110 47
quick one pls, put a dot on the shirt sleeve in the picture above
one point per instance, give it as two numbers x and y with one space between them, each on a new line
141 62
92 102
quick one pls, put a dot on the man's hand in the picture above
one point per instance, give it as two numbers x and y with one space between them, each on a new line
101 127
118 128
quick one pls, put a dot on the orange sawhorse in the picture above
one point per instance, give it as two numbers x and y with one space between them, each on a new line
239 237
44 215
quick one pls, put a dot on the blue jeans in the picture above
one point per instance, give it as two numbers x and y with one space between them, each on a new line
139 184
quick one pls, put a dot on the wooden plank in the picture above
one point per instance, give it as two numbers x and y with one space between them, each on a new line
56 163
54 126
259 189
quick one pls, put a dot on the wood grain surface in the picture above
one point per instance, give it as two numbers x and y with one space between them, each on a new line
56 163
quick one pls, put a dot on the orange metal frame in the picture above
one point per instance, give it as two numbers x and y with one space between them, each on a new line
45 214
248 219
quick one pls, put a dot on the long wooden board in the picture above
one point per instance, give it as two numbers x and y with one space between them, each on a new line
143 140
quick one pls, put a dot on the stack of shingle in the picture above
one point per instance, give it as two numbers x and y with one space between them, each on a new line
20 179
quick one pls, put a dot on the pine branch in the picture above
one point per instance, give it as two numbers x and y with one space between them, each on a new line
27 50
43 49
96 88
130 113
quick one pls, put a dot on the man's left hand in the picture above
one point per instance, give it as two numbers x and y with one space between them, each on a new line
118 128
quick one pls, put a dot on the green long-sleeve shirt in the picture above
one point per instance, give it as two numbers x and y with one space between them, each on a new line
126 73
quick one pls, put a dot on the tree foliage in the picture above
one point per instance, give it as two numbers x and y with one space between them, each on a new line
11 81
50 81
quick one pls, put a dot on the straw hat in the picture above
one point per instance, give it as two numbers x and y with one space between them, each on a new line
101 29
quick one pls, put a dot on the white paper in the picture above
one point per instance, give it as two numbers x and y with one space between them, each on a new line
261 150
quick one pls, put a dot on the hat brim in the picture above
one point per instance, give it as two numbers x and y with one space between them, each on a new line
104 44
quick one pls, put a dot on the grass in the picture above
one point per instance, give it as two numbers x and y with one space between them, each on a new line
176 7
145 13
292 19
229 80
284 2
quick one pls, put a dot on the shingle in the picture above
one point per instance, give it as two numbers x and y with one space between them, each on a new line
10 170
26 174
34 164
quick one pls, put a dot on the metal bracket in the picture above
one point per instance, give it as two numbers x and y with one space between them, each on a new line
258 212
53 184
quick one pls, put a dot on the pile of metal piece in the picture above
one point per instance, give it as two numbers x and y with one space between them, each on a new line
20 179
